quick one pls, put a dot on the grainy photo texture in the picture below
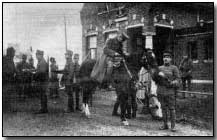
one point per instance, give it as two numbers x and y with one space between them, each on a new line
108 69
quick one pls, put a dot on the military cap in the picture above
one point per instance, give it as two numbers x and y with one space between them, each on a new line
69 53
52 59
10 51
76 55
39 52
167 53
24 56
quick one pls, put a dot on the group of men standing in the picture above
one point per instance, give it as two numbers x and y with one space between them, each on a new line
113 48
70 76
23 74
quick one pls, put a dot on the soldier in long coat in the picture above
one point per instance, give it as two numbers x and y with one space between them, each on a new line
23 76
41 77
125 95
8 77
76 85
53 79
68 80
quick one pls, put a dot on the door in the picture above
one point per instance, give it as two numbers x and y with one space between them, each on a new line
161 42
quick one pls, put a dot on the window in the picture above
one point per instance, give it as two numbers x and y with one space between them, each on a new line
192 50
209 49
92 46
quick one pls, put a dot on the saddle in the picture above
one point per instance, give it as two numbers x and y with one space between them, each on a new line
117 61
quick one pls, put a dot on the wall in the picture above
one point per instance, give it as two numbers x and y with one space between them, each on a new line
182 16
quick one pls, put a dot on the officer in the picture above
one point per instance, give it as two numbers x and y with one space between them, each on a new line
53 79
9 72
76 86
41 77
23 76
186 67
167 94
114 49
68 79
31 63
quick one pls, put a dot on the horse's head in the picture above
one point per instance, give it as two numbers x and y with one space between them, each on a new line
149 60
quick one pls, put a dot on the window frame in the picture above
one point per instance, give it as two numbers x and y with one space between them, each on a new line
208 42
189 49
89 47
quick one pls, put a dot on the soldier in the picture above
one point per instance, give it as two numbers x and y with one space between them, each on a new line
31 63
126 97
23 76
41 77
186 67
9 69
76 86
32 86
68 79
8 75
53 79
167 94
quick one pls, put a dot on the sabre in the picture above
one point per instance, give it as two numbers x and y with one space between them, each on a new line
128 71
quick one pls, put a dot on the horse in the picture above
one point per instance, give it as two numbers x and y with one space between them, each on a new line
88 85
124 80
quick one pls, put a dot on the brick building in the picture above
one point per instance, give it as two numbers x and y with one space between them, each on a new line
185 28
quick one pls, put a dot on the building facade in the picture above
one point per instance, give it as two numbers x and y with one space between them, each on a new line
185 28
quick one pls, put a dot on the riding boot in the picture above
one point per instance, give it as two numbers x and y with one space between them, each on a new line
134 108
70 104
77 102
128 111
165 119
173 119
115 109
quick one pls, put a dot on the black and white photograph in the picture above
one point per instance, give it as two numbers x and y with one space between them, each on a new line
108 69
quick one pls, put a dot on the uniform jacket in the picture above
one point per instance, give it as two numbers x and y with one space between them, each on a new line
21 75
112 46
9 69
172 73
42 71
186 67
53 68
76 72
68 73
22 65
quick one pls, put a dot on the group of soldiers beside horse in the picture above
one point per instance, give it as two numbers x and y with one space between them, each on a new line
121 77
107 68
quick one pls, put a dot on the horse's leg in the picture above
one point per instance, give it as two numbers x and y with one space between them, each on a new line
91 98
123 104
85 103
134 104
116 105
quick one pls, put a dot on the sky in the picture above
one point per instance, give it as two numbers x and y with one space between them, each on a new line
41 25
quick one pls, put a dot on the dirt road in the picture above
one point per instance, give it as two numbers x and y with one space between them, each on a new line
101 123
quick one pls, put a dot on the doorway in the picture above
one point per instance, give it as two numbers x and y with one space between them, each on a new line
161 42
136 43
